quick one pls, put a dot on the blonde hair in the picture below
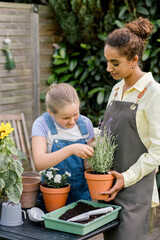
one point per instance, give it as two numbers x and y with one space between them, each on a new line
59 95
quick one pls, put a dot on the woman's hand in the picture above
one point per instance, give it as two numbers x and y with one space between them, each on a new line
117 186
82 150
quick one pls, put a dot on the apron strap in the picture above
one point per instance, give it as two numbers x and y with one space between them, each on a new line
140 95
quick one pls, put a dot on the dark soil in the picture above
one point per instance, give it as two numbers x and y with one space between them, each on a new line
80 208
98 173
45 185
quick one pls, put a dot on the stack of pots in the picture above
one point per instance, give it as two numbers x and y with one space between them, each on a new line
31 186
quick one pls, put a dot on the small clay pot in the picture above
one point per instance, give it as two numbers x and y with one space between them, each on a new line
31 186
54 198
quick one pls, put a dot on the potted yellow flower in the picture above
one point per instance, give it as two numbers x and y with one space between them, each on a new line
98 178
55 188
11 168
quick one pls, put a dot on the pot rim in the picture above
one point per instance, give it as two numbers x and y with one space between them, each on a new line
88 175
58 190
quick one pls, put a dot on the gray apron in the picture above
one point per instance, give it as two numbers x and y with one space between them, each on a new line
136 199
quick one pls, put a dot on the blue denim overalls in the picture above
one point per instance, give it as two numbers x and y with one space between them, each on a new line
73 164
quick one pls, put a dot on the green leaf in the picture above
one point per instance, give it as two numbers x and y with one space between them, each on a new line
85 46
58 61
154 61
73 83
17 166
146 54
42 96
5 161
78 72
97 77
158 22
62 52
153 9
155 52
75 54
107 96
73 64
65 77
102 37
95 90
143 10
155 69
14 191
100 97
14 150
122 11
61 70
148 3
52 78
83 77
66 60
57 56
119 24
2 184
9 177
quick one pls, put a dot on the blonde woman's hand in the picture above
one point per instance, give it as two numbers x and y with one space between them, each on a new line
82 150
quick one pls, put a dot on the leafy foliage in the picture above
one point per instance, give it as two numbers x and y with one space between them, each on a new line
83 63
10 170
88 22
82 20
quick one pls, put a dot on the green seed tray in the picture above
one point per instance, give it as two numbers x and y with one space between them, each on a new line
52 221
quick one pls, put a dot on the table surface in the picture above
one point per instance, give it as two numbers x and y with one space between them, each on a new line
32 230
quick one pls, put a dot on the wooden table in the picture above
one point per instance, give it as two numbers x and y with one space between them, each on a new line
32 231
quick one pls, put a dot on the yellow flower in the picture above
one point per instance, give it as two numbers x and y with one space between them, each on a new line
5 130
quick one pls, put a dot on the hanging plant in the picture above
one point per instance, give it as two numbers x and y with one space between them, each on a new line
10 63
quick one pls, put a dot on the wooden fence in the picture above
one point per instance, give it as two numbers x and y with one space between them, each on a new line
32 30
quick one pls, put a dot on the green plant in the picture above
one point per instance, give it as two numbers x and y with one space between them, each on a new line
89 77
54 179
11 168
10 63
105 146
87 18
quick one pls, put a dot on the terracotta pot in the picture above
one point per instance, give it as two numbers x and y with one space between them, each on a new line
54 198
31 174
31 187
98 183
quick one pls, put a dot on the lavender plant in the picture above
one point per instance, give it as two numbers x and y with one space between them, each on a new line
105 146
